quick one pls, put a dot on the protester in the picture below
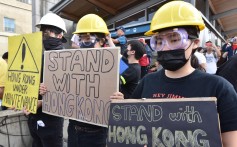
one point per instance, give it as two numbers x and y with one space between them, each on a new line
92 36
3 76
131 76
179 79
145 59
230 47
47 130
212 54
202 62
121 40
195 63
229 71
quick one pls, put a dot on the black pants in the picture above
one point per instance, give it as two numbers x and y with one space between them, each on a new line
86 137
51 135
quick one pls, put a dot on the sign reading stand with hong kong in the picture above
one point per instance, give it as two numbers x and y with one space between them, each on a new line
79 83
187 122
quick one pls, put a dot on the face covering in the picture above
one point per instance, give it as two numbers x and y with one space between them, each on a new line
172 60
52 43
125 54
87 44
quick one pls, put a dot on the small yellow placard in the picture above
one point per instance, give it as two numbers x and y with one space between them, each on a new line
24 68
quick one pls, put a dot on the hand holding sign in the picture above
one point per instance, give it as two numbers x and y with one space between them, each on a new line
22 85
164 122
42 89
117 95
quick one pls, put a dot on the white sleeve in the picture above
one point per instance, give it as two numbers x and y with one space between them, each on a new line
201 58
75 39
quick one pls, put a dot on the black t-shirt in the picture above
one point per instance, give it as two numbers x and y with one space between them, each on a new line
229 71
197 84
129 79
46 118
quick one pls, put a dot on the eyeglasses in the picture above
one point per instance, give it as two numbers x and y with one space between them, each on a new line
176 39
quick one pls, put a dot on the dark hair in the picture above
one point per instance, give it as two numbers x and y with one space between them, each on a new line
53 29
209 41
5 55
138 47
199 49
195 64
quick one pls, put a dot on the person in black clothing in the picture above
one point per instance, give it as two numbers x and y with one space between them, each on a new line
228 71
82 134
131 76
174 39
47 130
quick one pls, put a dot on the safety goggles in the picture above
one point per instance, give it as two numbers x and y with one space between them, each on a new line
175 39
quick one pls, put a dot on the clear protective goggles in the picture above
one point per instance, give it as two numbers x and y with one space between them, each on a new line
86 39
176 39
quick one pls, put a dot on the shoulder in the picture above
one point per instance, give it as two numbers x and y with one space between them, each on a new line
134 67
200 56
151 77
3 64
121 38
217 81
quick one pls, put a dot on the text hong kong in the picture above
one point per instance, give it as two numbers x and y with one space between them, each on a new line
136 124
77 79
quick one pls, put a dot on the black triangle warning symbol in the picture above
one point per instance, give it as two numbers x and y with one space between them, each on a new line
24 60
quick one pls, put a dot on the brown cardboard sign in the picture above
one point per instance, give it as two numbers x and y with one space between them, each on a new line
79 83
188 122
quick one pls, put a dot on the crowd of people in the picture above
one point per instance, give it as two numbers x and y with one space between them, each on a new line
182 68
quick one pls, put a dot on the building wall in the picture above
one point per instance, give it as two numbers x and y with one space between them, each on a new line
21 13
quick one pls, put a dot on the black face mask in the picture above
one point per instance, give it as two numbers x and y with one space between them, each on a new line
172 60
52 43
125 54
88 44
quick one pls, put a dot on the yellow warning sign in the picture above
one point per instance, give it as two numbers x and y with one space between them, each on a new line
25 57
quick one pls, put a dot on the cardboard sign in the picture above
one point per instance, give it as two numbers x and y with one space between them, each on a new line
24 67
188 122
79 83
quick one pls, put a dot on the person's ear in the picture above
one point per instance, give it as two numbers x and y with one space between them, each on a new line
196 43
133 52
60 36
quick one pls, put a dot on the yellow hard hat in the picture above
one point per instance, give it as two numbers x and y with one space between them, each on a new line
176 13
91 23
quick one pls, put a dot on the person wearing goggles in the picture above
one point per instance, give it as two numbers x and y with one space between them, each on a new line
91 40
172 43
175 30
90 36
